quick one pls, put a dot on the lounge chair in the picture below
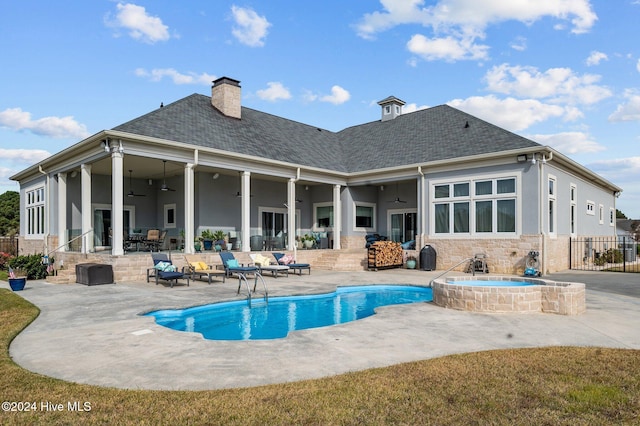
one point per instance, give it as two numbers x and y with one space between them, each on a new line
231 265
291 263
263 264
198 268
163 269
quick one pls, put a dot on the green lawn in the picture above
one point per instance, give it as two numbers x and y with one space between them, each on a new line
562 385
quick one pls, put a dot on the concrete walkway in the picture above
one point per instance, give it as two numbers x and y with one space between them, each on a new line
95 335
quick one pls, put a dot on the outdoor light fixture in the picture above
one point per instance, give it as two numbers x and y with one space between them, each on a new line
522 158
216 176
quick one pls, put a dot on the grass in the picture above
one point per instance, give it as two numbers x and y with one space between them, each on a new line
557 385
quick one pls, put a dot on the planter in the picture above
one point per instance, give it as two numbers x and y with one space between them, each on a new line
411 264
17 284
308 243
208 244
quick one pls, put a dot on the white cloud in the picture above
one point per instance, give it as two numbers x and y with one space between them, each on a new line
158 74
55 127
250 29
413 107
596 57
141 26
555 84
519 44
569 142
628 111
457 24
338 96
27 156
274 92
446 48
445 14
511 114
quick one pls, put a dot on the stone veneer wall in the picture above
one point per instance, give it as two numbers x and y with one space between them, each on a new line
546 296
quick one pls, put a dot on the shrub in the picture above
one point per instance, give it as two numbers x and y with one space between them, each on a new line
31 264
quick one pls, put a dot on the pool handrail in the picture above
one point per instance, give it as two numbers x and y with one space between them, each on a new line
473 270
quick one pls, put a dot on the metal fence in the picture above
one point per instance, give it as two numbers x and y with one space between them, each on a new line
9 245
610 254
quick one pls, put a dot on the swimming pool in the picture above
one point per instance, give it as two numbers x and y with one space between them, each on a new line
237 321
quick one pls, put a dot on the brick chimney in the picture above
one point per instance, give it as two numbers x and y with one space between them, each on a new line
225 96
391 107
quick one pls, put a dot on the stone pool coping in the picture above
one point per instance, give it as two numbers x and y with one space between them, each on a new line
562 298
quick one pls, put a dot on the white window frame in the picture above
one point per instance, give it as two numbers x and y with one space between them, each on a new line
472 199
600 214
552 205
35 208
591 208
573 209
373 206
167 208
612 216
316 226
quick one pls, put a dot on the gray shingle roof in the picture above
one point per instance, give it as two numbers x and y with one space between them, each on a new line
436 133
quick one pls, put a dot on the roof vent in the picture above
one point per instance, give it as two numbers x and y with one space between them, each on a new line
225 96
391 107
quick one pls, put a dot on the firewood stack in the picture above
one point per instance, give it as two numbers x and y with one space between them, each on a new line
384 254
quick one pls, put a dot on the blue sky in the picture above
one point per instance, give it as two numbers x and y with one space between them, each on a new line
565 73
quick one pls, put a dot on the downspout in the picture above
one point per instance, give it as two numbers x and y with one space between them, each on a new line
47 207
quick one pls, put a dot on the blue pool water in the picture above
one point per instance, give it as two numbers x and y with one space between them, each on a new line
237 321
492 283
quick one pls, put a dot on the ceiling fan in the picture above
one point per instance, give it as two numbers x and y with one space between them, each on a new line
164 186
131 193
397 200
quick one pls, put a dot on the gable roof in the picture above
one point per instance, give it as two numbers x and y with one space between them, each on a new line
437 133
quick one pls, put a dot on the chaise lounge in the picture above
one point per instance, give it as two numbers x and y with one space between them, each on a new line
289 261
163 269
198 268
263 263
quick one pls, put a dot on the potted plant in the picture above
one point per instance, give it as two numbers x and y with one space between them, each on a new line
299 243
218 237
411 262
17 279
207 239
197 244
308 240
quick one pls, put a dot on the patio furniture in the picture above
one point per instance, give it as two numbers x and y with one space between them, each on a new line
289 261
200 269
231 266
263 263
163 269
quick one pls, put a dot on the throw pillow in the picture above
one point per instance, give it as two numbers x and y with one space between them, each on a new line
232 263
287 259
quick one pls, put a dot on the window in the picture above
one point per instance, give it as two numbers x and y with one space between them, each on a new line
552 204
591 208
387 109
601 214
323 215
35 206
612 217
475 207
365 216
572 208
169 216
402 225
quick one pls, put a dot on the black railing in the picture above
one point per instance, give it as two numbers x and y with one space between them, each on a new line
610 254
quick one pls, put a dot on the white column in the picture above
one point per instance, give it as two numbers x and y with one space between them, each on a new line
245 188
117 202
423 207
62 212
291 211
337 217
189 208
87 213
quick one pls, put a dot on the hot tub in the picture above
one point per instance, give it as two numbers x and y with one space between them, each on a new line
509 294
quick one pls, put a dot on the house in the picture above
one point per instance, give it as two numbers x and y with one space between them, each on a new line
438 176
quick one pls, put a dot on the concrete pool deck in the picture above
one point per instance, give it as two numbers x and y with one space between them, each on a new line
95 335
